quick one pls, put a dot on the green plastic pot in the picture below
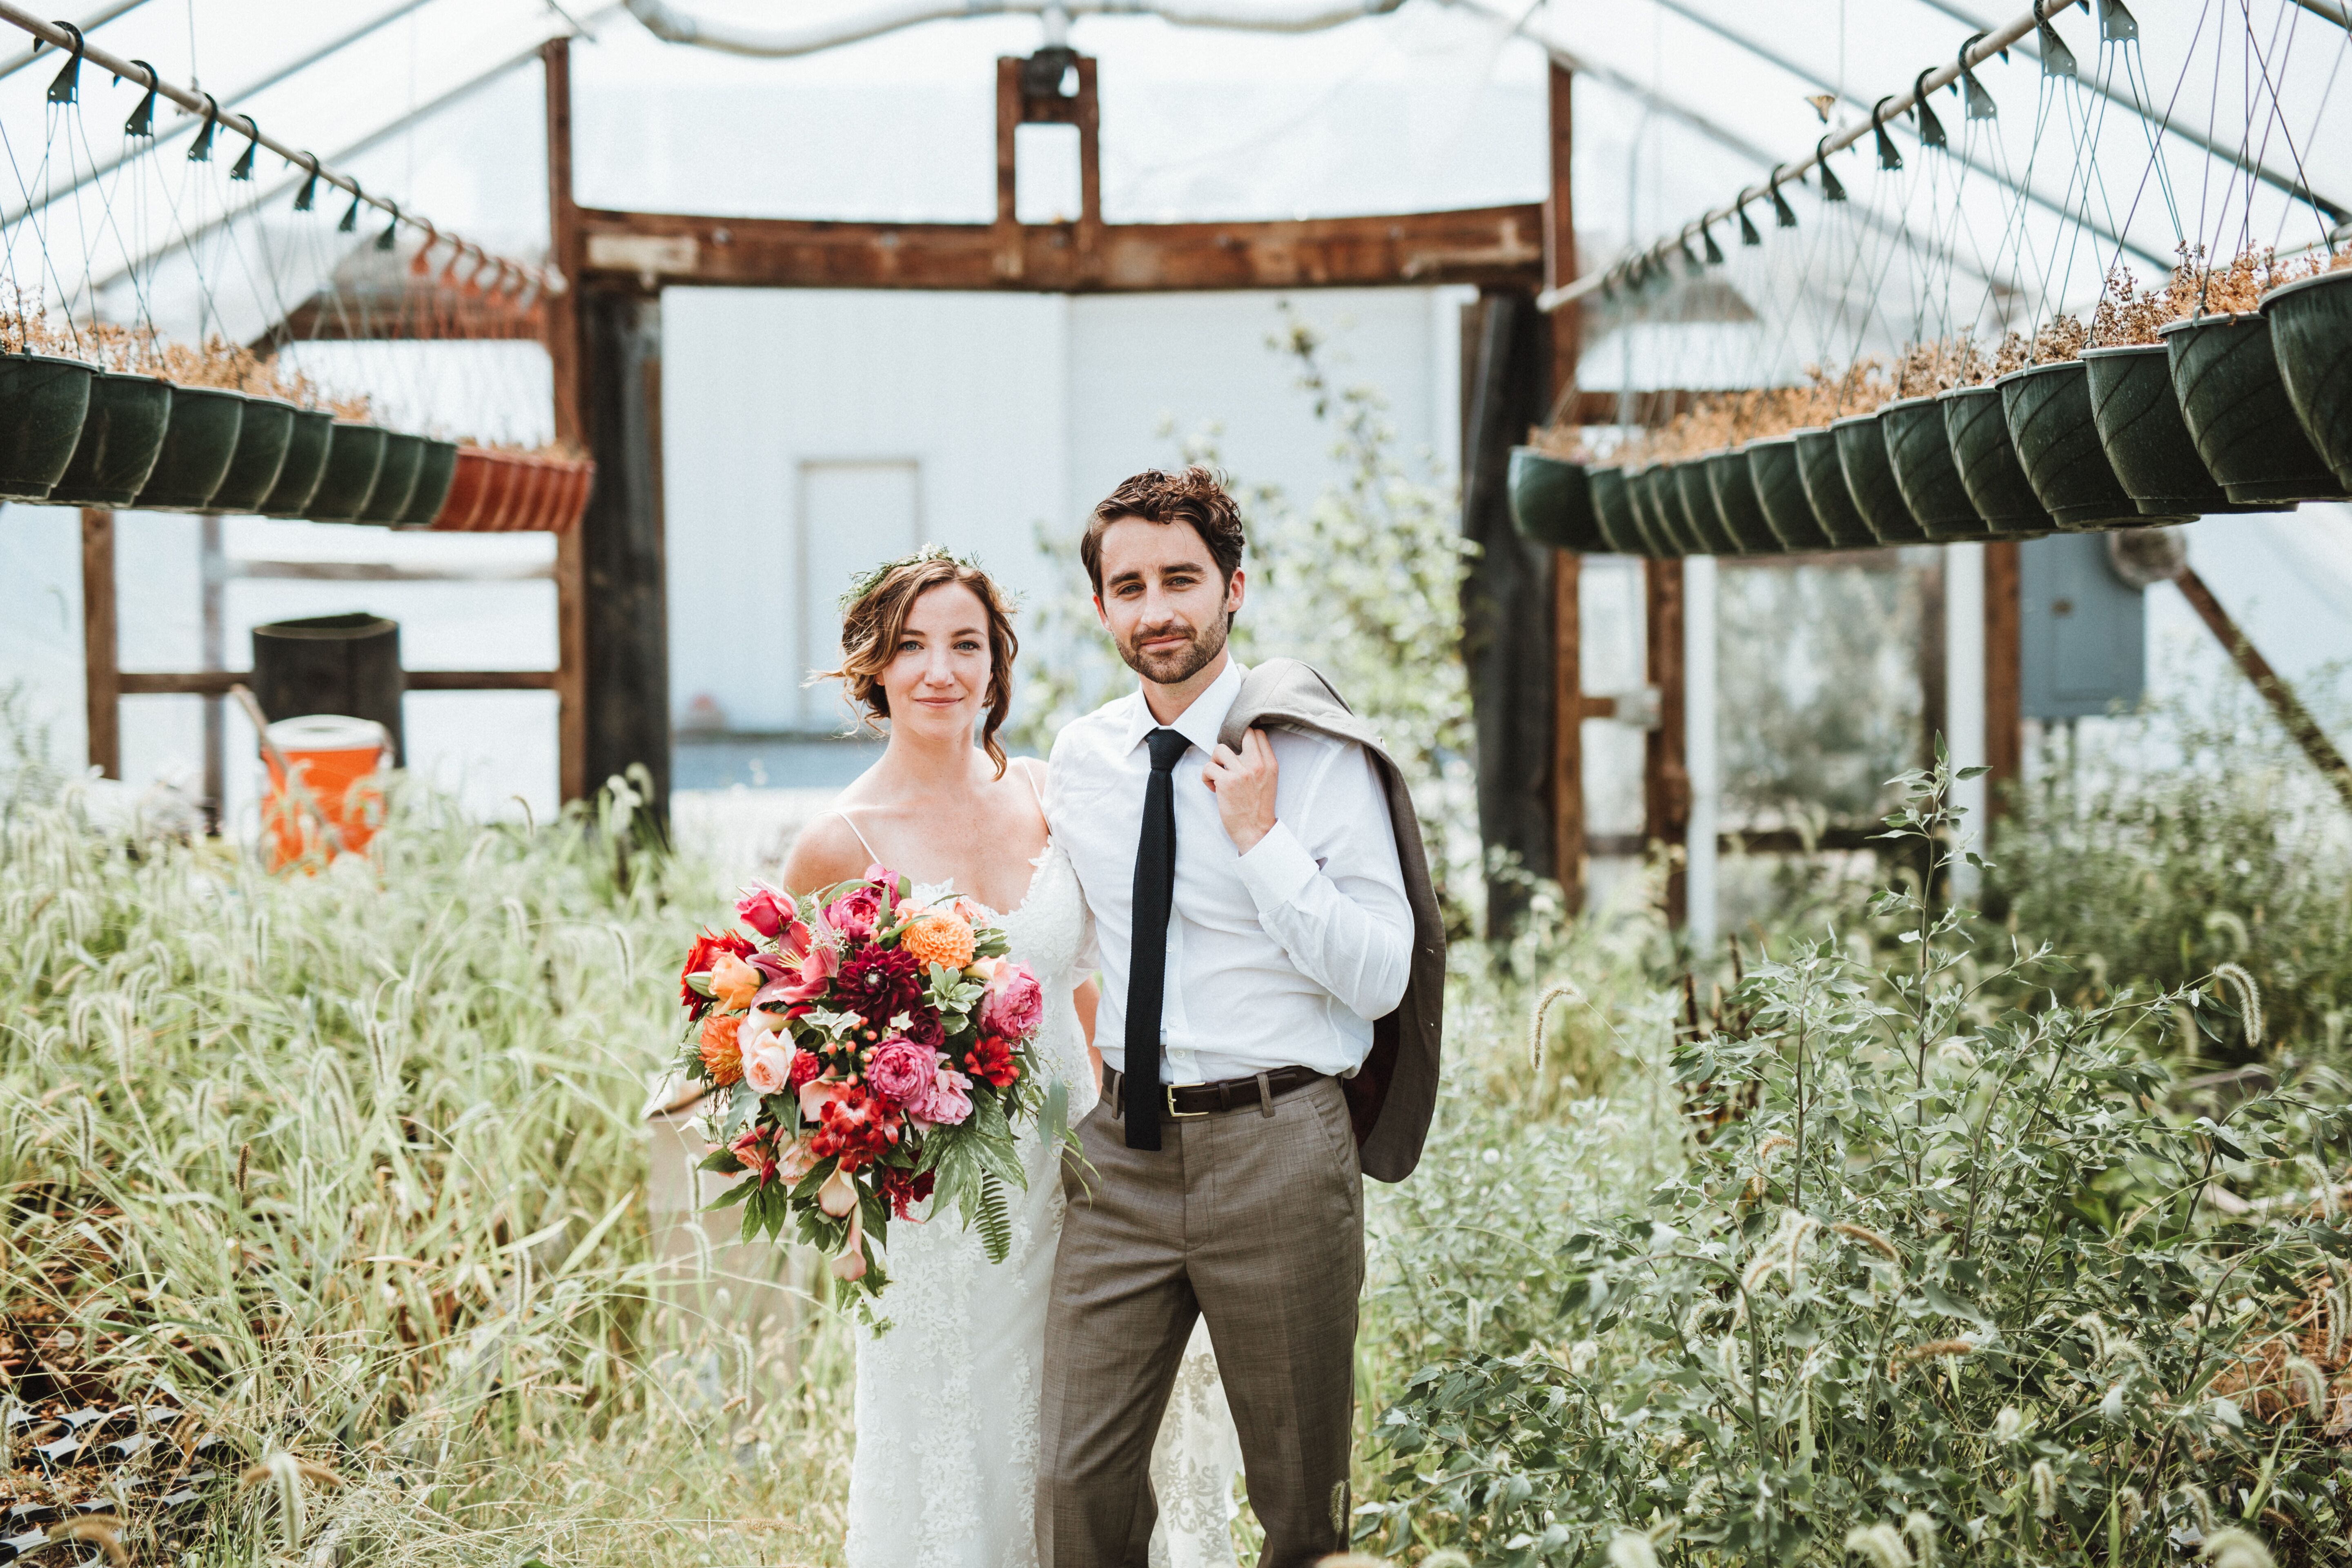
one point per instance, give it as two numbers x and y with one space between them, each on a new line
1654 486
1841 521
1736 504
261 443
1551 500
44 400
1986 461
2049 411
354 458
2310 335
2145 436
1613 502
199 440
122 435
395 482
306 462
2227 377
1870 475
1781 492
1921 452
1700 519
434 470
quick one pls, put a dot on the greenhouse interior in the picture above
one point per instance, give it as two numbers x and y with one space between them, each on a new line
1828 524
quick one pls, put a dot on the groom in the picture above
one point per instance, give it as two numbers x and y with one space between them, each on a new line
1272 968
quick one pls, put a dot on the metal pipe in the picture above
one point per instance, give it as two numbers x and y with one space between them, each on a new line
89 24
195 103
190 122
672 25
1942 75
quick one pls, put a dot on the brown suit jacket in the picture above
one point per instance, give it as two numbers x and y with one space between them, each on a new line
1390 1099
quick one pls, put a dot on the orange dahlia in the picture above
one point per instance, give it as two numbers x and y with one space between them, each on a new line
722 1055
939 937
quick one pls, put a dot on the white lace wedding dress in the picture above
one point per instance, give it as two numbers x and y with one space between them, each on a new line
947 1400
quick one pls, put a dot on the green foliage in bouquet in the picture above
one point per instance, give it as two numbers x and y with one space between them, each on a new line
1939 1277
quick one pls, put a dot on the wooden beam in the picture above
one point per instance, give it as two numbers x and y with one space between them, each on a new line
1665 773
1499 246
2300 725
561 319
420 311
217 682
625 673
101 669
2004 698
1567 815
1559 226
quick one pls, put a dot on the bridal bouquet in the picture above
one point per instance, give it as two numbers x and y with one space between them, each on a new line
872 1048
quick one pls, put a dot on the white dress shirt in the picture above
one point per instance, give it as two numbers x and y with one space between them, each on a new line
1280 957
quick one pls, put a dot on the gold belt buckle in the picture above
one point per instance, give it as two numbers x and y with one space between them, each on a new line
1169 1091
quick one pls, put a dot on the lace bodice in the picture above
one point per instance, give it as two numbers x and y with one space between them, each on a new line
1048 933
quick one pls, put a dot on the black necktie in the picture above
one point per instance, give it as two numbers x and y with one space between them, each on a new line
1147 969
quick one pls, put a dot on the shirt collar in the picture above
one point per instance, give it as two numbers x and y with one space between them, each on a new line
1198 723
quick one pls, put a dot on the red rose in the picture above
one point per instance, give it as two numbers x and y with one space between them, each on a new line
991 1059
904 1191
805 1066
710 947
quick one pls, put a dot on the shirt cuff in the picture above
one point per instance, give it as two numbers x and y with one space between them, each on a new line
1278 870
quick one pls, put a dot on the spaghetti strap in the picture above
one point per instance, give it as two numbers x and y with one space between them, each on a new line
870 855
1033 795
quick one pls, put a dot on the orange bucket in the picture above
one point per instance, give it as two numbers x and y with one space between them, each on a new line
336 811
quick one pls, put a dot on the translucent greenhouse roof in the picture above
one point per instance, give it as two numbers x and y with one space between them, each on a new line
1682 105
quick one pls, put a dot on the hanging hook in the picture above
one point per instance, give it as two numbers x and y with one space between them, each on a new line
1888 158
202 152
2057 60
1931 130
2116 24
1691 263
66 88
1714 251
243 169
391 234
432 238
1980 101
1747 235
143 118
1783 214
351 220
306 198
1830 190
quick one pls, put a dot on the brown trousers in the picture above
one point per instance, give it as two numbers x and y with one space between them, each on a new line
1255 1222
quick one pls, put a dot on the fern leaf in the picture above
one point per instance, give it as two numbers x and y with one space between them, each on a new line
996 1222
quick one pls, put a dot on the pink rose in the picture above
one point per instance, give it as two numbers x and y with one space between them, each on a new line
767 1061
947 1103
1015 1003
855 914
768 912
900 1070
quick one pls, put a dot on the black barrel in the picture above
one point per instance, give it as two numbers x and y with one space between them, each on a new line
331 664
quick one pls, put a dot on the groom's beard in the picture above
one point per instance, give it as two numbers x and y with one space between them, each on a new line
1171 667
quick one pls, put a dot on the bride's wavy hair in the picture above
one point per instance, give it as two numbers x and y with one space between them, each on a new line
874 615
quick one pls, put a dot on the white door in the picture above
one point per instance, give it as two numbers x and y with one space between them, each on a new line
854 514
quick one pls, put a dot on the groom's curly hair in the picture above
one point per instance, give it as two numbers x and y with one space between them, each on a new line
872 621
1193 495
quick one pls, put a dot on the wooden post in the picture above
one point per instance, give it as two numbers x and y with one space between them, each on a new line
1666 776
561 314
101 665
2003 697
626 671
1567 582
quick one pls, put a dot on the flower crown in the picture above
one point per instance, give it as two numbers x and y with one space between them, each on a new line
868 582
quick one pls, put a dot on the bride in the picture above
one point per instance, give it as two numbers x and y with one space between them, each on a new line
946 1467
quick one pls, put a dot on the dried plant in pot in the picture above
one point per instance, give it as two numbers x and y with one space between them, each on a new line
1705 523
2310 335
44 400
436 471
1664 504
354 457
1869 476
2226 375
1918 445
2046 394
1737 504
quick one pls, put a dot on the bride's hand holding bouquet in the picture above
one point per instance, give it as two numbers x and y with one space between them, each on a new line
870 1047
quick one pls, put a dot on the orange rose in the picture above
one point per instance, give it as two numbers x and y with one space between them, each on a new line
937 937
734 983
722 1055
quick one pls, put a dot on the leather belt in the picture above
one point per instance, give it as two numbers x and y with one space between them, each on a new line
1190 1100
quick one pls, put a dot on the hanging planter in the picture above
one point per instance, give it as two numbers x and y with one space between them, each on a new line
1870 475
199 441
1550 501
436 468
1781 492
306 463
354 457
122 435
1840 520
1737 505
2048 407
583 485
2311 334
262 437
1613 502
2238 411
2145 436
1986 461
44 400
403 456
505 478
1700 520
536 479
473 472
1654 487
1921 454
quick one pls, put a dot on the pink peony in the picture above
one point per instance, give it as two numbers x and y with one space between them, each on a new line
768 912
900 1070
767 1064
947 1101
1015 1003
856 913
